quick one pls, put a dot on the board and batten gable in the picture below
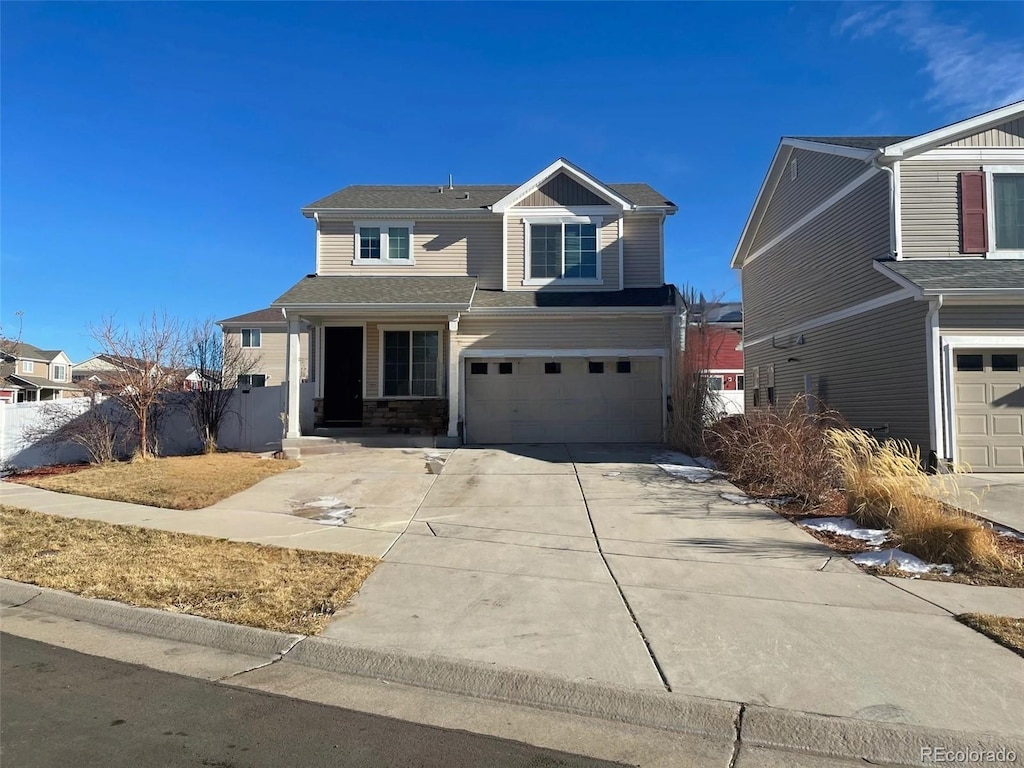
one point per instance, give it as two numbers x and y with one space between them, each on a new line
823 266
809 178
271 357
1008 134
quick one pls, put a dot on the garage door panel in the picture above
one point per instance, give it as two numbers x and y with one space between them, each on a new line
573 405
989 406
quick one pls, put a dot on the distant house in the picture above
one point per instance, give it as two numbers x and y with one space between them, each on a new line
721 327
262 336
28 374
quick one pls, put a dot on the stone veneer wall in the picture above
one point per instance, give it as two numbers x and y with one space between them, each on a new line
428 416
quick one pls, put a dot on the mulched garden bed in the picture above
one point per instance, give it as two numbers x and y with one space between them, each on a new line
22 476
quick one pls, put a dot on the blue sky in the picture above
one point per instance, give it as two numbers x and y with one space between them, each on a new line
155 156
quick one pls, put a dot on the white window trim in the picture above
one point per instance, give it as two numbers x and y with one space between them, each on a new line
991 171
529 221
28 366
250 345
384 226
60 378
441 363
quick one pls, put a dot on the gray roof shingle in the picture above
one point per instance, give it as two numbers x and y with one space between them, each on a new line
857 142
21 349
660 296
259 317
462 197
370 291
967 274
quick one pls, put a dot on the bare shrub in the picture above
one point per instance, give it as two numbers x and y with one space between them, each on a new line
102 429
779 453
885 487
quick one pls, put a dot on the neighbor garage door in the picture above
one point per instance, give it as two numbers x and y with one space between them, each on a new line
989 407
563 400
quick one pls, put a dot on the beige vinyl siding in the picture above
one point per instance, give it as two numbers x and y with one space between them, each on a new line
271 357
1008 134
608 242
824 266
372 351
982 320
440 247
930 207
641 250
561 191
872 368
564 333
818 176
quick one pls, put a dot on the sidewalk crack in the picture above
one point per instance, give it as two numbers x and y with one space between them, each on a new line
738 740
265 664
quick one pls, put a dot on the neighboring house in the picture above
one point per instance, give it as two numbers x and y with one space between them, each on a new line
492 314
262 336
717 329
886 276
28 373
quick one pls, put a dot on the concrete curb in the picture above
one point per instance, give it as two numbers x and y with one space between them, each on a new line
654 709
754 725
870 740
180 627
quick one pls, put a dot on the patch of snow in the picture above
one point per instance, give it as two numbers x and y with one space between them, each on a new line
611 474
778 501
675 457
704 461
739 498
321 502
689 473
904 561
326 510
847 527
1002 530
337 516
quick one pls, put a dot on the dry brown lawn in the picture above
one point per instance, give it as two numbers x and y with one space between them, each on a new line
1005 630
177 482
288 590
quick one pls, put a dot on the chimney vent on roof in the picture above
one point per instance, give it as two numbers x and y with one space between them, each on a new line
464 196
450 182
440 190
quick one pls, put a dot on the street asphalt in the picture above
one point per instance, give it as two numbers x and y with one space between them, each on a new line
62 708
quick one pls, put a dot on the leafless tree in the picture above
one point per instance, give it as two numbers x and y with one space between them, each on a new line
146 362
219 360
102 429
694 404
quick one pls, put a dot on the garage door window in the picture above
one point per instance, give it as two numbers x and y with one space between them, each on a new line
552 367
504 368
478 369
411 364
970 362
596 366
1004 363
623 366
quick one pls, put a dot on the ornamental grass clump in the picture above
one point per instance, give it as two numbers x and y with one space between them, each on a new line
885 487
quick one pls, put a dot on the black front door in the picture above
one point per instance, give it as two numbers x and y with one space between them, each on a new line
343 377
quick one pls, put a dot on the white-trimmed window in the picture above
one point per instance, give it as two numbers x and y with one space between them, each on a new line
383 242
248 380
565 250
716 382
60 372
1005 203
252 337
410 362
27 366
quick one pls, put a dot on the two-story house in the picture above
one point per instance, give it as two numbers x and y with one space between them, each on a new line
885 275
261 337
28 374
489 314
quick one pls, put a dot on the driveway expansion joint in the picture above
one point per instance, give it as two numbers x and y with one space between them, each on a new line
618 587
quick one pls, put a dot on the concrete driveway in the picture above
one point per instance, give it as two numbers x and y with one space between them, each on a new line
590 562
999 496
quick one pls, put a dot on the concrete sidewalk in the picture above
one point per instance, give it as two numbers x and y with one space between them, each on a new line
591 564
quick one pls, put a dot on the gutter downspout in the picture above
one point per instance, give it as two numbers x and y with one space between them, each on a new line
892 203
936 428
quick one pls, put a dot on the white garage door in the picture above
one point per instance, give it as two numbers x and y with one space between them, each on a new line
563 400
989 406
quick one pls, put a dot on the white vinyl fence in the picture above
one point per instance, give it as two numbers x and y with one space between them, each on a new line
253 424
730 401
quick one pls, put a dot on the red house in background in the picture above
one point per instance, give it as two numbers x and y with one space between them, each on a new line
722 325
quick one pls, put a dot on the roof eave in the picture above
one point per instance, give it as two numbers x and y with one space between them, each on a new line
946 134
756 211
378 212
561 165
667 309
374 308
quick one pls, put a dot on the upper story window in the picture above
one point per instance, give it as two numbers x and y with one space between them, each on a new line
27 366
252 337
564 250
383 243
60 372
1008 202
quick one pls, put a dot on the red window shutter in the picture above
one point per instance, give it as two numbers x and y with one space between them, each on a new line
973 221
